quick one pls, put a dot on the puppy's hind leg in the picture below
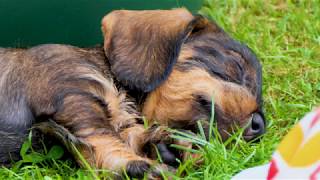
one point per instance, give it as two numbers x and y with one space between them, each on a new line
10 146
14 130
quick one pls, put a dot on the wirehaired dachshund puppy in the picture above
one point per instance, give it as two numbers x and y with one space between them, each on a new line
171 62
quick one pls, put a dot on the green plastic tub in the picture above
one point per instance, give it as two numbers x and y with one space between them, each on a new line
26 23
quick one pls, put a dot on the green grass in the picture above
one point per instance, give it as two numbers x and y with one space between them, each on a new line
286 37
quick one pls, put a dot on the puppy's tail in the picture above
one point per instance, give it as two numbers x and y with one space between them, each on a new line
72 143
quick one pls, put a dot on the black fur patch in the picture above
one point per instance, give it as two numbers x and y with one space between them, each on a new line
168 155
137 169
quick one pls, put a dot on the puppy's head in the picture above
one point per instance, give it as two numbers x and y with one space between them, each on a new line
183 62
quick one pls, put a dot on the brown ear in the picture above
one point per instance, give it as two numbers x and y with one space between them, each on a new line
142 46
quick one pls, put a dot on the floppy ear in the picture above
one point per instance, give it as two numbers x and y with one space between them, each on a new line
142 46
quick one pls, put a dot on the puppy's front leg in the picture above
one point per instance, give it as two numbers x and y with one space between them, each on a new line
137 137
104 151
111 153
98 125
155 141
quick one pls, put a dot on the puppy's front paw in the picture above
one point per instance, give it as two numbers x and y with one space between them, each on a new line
171 155
140 168
137 168
168 156
157 134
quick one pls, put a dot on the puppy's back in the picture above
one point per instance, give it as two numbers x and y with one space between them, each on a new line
30 84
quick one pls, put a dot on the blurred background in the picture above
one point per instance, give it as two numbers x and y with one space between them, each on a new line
75 22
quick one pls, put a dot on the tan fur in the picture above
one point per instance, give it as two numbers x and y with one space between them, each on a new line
140 45
134 137
111 153
173 100
154 17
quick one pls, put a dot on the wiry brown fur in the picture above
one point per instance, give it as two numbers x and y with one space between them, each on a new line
72 86
171 62
175 101
181 88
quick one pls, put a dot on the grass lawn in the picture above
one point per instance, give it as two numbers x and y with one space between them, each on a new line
286 37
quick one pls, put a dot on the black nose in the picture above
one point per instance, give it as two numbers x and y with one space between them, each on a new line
256 128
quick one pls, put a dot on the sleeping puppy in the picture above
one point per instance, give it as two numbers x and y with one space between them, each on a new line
179 62
170 61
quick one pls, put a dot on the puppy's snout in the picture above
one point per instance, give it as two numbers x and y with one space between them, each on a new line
256 127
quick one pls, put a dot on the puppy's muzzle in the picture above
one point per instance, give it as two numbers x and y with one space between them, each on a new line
255 128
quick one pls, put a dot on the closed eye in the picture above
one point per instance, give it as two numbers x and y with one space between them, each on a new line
204 102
